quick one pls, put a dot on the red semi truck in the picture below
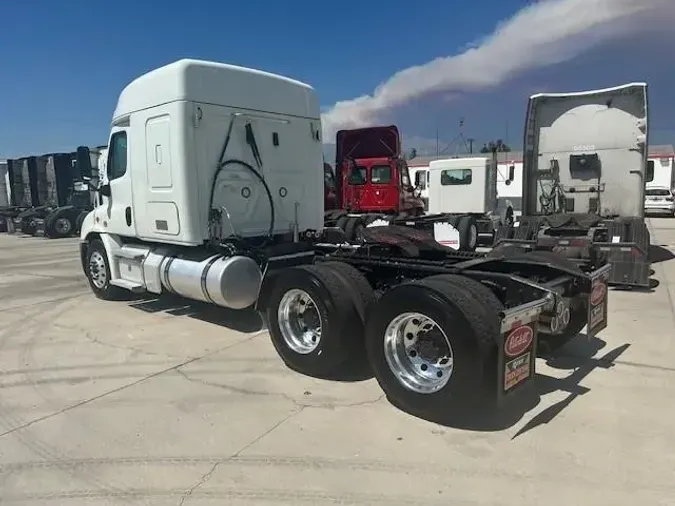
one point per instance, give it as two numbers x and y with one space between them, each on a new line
371 181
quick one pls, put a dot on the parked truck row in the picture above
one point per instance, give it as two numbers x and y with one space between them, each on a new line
214 191
46 195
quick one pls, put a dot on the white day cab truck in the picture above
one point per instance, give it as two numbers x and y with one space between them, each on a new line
467 187
215 192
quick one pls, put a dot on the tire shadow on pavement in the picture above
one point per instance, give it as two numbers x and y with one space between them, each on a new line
659 254
578 355
583 362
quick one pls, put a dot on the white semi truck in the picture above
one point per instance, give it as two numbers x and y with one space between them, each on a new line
468 186
214 188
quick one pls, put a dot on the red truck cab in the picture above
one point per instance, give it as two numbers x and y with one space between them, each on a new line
371 174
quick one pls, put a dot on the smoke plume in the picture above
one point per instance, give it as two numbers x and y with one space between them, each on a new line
544 33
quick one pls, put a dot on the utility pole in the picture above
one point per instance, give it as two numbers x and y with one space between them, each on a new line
437 152
470 141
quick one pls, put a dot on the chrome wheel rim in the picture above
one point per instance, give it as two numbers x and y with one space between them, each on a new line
97 272
418 353
62 226
299 321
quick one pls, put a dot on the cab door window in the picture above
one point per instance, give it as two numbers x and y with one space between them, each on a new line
117 158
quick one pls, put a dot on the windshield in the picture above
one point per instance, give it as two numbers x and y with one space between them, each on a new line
380 174
658 192
357 176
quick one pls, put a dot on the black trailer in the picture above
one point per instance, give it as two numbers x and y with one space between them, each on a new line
48 195
69 192
24 195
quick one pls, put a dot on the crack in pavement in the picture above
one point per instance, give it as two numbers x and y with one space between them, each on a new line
298 403
205 477
124 347
123 387
199 483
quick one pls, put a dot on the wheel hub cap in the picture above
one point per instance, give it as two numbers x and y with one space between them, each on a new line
299 321
418 353
62 225
97 272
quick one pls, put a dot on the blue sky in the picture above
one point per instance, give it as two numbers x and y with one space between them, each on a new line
64 63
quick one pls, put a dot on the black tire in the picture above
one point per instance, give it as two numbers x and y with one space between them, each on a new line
59 226
48 224
466 326
362 293
354 229
28 226
104 291
341 325
468 233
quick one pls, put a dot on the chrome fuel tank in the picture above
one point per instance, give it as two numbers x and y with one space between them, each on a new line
232 282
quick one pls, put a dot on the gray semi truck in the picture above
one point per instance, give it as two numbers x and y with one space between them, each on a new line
585 167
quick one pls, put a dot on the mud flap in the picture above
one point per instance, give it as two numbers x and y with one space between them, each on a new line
627 252
598 301
517 347
447 235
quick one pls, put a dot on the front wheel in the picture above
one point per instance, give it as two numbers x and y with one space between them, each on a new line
97 270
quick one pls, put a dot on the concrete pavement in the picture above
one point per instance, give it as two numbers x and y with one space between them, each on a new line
172 402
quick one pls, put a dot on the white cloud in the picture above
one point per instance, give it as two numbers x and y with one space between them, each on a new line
545 33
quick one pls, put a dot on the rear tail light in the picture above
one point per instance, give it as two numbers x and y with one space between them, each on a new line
669 199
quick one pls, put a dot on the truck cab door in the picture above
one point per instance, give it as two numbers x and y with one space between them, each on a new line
119 215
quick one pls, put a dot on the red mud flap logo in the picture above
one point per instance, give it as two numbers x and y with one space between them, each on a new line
598 294
518 341
516 362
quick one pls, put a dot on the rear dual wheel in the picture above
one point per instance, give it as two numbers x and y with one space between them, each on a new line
353 227
431 344
316 316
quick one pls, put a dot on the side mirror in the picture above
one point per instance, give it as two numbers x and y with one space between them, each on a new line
104 190
512 173
83 161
